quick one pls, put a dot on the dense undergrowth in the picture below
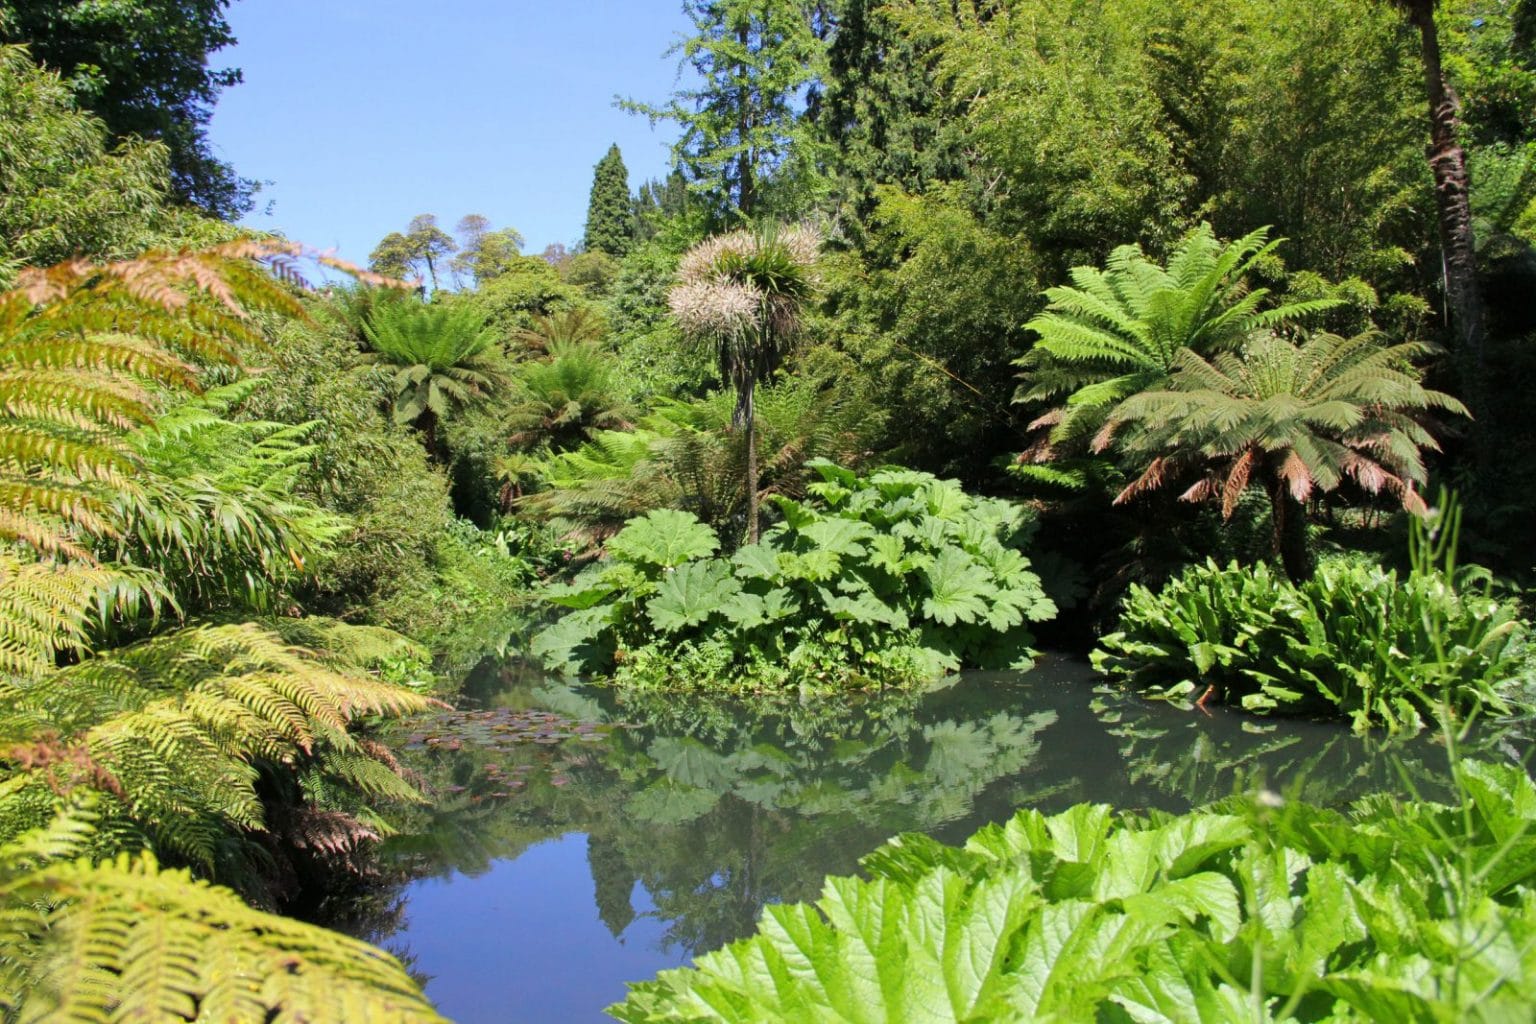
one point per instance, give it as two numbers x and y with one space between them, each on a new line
889 580
1355 640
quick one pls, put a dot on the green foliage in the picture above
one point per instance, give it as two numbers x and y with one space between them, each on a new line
216 510
444 359
77 944
1120 331
1403 911
883 110
560 402
176 735
893 579
219 746
743 145
63 190
523 289
610 217
82 344
1354 641
160 88
423 246
931 312
365 469
593 272
1296 419
685 456
483 253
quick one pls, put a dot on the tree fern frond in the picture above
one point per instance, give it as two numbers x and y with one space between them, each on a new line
198 954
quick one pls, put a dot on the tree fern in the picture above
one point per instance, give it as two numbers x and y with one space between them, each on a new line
125 940
1118 331
442 356
185 738
1296 419
562 401
173 731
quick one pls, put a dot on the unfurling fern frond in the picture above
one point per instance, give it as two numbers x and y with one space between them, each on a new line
127 940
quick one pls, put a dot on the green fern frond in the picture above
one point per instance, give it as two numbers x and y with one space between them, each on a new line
127 940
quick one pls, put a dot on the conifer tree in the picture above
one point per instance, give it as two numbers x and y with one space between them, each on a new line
744 144
610 215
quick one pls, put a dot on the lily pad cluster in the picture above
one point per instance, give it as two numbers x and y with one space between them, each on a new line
893 579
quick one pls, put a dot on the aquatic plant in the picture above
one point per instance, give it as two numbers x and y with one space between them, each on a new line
1355 640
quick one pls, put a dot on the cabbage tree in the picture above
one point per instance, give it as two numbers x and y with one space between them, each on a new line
742 293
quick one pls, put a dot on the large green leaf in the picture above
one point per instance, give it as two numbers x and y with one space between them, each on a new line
665 538
839 536
690 594
958 589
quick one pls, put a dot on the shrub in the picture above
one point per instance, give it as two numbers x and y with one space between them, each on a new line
893 579
1354 640
1243 911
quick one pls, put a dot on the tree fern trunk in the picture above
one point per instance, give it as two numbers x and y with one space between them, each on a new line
1288 518
1448 164
427 424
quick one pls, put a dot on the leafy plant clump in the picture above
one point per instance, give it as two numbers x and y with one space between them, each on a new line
1249 910
1355 640
894 579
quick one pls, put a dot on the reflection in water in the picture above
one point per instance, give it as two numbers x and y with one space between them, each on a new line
697 814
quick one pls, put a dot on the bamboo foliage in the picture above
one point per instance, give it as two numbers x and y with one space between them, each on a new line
214 509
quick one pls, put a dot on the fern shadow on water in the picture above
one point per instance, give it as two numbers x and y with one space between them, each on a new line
577 842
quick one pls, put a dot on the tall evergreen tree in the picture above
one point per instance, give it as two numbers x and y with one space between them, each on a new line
610 214
882 114
744 143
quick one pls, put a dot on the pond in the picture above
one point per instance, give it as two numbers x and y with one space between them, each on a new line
577 843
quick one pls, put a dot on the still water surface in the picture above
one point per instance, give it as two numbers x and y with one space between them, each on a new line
578 843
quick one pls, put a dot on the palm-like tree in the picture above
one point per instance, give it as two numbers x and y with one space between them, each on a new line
563 401
1296 419
742 293
1120 330
441 352
574 326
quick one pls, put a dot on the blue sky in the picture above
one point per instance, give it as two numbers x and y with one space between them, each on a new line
364 113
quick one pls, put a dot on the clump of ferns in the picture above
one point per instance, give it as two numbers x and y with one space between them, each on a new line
192 738
183 735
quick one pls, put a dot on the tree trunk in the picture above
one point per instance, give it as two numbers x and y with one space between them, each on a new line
1288 517
1448 164
427 424
748 409
744 183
